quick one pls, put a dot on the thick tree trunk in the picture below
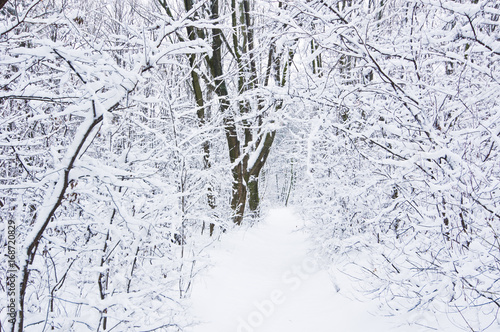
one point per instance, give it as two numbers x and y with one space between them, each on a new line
239 195
253 194
239 190
193 34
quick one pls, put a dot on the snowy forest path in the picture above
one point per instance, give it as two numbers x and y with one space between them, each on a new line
264 280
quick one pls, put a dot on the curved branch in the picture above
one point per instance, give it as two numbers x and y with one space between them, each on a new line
43 219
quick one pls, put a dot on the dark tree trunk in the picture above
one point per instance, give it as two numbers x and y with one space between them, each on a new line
253 194
193 34
239 190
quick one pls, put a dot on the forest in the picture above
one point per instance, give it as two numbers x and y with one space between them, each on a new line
134 133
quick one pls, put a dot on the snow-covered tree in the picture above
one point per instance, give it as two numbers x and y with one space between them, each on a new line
404 148
101 186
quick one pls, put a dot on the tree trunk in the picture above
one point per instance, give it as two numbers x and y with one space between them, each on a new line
253 194
239 190
193 34
239 195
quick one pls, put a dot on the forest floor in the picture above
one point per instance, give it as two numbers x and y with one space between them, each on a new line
262 279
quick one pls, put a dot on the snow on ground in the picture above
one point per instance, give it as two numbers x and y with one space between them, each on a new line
263 280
